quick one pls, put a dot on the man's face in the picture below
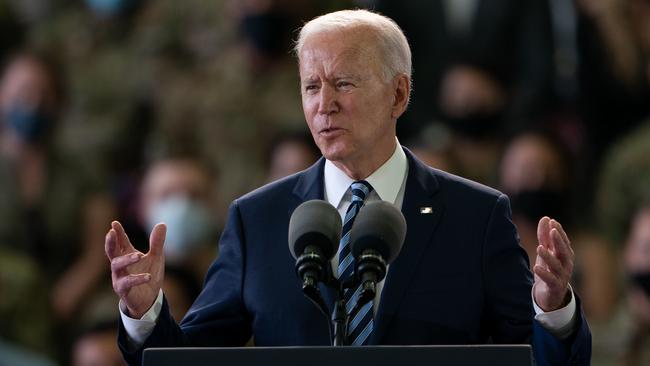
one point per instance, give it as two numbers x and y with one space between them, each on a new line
27 83
348 106
174 177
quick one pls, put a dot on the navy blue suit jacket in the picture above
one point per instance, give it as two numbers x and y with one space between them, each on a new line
461 277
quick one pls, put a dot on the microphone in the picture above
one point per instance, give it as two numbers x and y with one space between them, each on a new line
376 239
314 234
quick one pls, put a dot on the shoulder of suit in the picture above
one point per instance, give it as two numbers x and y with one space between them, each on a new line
274 190
454 183
449 184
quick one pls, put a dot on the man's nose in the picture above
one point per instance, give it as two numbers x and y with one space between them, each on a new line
328 103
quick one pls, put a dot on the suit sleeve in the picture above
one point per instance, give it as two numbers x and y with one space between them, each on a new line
218 316
509 308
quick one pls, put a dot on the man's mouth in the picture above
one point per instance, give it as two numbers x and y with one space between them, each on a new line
331 132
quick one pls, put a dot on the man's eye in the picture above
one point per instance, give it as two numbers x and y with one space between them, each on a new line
343 85
311 88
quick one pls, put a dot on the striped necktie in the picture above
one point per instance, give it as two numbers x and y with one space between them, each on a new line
361 323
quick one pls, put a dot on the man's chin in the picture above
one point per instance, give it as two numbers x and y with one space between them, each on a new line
333 149
334 155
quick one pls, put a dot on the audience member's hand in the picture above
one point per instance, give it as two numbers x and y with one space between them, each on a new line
137 277
553 266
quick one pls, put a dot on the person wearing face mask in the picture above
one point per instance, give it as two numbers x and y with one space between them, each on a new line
622 208
624 337
189 222
534 174
636 263
178 190
45 194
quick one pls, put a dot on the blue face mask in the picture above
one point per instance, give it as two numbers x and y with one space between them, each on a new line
30 124
189 226
109 8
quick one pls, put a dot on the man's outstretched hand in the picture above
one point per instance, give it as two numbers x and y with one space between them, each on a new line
137 277
553 266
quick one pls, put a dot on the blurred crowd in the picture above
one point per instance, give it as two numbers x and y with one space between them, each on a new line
153 111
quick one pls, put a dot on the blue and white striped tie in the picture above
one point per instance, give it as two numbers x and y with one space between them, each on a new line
361 322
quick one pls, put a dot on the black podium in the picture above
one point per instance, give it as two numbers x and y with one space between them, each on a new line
502 355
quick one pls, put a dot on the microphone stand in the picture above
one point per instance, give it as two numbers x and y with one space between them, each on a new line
340 317
311 292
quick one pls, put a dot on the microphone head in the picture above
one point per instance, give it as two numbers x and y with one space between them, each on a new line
315 223
380 226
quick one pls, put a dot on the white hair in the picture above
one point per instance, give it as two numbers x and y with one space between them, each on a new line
391 41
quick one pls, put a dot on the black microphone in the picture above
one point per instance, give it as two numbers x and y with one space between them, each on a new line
314 234
376 237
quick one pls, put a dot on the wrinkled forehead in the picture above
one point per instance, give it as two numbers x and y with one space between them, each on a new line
352 42
342 51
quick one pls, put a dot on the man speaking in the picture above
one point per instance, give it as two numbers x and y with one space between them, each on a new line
461 277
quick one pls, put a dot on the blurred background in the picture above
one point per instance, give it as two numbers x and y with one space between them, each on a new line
164 110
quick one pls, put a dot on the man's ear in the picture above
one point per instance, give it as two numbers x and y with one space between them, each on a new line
402 93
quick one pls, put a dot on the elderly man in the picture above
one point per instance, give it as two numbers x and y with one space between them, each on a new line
461 277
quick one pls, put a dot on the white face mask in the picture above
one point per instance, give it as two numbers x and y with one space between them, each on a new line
189 226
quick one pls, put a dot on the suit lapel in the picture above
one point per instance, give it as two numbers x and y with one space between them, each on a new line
310 184
419 196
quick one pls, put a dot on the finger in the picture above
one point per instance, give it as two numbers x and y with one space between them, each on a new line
549 278
563 249
122 239
561 244
157 239
124 284
558 226
553 264
543 235
539 261
110 245
122 262
552 225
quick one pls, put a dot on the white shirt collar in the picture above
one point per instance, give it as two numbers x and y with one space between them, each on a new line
386 181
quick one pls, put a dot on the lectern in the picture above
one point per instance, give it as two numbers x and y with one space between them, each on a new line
502 355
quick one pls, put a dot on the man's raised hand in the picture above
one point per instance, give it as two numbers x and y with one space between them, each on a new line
553 266
137 277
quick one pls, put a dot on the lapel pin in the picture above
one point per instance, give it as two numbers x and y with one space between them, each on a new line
426 210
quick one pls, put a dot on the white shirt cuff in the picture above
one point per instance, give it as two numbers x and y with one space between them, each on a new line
138 330
559 322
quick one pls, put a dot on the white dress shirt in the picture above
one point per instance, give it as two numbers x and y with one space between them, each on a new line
388 182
